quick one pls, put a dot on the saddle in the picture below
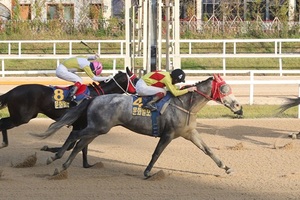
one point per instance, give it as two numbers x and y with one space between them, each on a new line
60 94
161 105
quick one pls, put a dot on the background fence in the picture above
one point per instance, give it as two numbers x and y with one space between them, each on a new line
277 48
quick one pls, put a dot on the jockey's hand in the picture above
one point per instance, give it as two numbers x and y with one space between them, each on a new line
185 87
109 77
192 89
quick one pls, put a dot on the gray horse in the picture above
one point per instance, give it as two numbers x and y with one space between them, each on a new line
177 119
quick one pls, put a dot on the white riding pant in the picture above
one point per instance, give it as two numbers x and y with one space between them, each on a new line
63 73
146 90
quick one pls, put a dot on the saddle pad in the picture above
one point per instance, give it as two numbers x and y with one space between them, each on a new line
60 94
139 101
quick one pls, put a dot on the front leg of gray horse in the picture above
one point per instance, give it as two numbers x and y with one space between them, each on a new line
196 139
162 144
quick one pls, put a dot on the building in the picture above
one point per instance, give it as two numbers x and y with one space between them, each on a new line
60 9
199 10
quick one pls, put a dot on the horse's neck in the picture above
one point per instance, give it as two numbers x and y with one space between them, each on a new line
190 102
105 88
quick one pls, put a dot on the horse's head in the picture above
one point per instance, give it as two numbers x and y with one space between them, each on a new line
120 83
221 92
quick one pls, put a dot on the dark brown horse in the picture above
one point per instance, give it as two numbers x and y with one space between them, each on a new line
25 102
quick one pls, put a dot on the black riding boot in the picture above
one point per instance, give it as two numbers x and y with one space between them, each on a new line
151 104
72 93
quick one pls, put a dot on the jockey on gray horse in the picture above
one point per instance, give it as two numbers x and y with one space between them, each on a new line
154 83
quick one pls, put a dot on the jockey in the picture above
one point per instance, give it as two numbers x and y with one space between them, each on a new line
66 71
154 83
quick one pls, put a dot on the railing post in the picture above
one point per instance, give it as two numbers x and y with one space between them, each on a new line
299 104
99 48
234 47
114 66
19 50
9 48
54 48
224 58
70 48
280 60
3 68
251 88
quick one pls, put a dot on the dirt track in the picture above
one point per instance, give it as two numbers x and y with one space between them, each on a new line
261 171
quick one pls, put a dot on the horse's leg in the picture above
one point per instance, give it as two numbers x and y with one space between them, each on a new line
4 139
72 138
84 158
5 123
56 149
196 139
162 144
80 145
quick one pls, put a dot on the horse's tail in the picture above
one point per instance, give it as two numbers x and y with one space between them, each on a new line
67 119
291 102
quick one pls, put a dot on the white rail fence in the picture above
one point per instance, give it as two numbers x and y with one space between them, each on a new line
225 53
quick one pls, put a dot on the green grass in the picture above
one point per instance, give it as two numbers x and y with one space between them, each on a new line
250 112
219 111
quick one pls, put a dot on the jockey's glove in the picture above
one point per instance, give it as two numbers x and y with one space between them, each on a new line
192 89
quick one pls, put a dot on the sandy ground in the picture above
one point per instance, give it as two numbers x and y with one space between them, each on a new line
264 158
184 172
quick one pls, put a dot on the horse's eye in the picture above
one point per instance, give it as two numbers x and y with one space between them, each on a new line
225 89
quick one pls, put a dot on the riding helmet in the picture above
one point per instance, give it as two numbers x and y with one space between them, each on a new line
178 75
96 67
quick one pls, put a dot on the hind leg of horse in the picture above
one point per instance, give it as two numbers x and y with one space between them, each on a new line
72 138
4 139
196 139
80 146
56 149
162 144
5 123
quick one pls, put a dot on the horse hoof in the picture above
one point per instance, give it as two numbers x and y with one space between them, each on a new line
49 160
44 148
3 145
229 171
55 172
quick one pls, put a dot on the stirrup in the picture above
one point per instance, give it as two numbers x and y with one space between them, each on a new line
150 106
70 98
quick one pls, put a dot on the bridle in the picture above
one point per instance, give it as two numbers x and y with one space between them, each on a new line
217 94
130 85
130 88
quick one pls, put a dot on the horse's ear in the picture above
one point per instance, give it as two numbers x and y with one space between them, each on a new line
128 71
220 78
215 77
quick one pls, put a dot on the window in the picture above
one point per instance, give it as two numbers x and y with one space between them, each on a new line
25 11
95 11
64 11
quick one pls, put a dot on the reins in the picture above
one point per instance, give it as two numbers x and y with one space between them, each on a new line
215 95
128 82
97 87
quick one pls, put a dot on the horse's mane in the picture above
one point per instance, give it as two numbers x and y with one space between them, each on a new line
197 83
